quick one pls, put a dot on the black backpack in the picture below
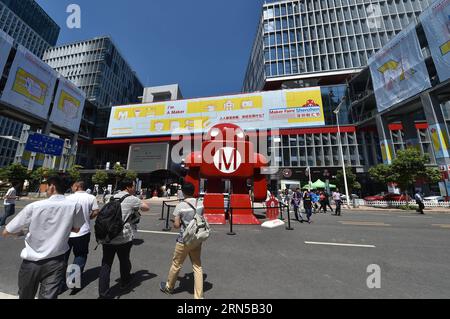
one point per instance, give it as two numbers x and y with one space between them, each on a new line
109 223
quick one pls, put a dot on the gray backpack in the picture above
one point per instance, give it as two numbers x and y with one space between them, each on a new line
197 231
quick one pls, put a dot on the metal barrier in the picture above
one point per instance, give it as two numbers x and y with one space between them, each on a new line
227 210
385 204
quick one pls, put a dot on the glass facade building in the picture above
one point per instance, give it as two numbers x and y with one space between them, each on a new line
97 67
319 38
30 26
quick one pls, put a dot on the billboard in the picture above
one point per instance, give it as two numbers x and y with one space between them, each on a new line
30 84
6 43
436 24
148 157
68 106
263 110
38 143
398 70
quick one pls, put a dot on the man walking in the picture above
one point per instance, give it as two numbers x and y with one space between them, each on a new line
121 245
419 201
79 242
10 205
184 213
337 201
50 223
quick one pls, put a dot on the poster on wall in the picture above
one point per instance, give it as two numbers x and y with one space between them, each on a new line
30 84
264 110
436 24
398 70
6 43
68 106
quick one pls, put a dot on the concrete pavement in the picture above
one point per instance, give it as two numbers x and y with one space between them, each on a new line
327 259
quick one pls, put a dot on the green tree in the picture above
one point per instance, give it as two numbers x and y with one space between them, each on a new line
406 169
131 175
100 178
74 173
352 180
119 173
41 174
14 173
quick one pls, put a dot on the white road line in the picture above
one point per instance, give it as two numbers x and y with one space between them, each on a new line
336 244
6 296
157 232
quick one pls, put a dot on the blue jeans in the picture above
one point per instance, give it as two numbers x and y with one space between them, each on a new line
10 210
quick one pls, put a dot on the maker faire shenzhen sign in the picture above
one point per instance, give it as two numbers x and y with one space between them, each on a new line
281 109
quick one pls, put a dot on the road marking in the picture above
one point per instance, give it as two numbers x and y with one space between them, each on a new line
337 244
355 223
441 225
415 217
6 296
157 232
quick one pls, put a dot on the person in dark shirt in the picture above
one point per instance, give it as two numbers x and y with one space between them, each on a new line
307 204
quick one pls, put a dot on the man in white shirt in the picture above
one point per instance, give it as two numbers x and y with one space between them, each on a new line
338 201
79 242
49 224
10 205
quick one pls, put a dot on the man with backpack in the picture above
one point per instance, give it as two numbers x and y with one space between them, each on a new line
115 229
188 210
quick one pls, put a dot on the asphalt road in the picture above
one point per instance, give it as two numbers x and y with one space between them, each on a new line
412 251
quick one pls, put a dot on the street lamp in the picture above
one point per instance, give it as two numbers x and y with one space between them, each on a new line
336 111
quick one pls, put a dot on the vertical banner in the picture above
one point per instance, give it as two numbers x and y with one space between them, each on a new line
386 152
31 83
439 141
436 24
6 43
398 70
68 106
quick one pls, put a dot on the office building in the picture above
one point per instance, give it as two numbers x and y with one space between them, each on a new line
29 25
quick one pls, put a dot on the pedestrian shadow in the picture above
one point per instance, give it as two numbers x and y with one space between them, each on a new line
89 276
138 278
187 284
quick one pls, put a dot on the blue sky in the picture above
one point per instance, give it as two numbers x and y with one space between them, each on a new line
204 45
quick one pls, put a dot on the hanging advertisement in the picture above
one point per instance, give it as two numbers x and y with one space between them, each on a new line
436 24
398 70
6 43
30 84
281 109
68 106
439 141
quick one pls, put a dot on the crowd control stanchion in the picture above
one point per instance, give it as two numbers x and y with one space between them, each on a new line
231 233
162 211
281 211
167 220
289 219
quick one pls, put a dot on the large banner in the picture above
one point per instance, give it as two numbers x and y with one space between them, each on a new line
398 70
6 43
30 84
436 24
281 109
68 106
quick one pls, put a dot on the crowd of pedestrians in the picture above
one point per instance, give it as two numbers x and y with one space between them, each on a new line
306 203
59 226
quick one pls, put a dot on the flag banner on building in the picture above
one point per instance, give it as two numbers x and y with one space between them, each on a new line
264 110
398 70
440 141
436 24
6 43
68 106
31 83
